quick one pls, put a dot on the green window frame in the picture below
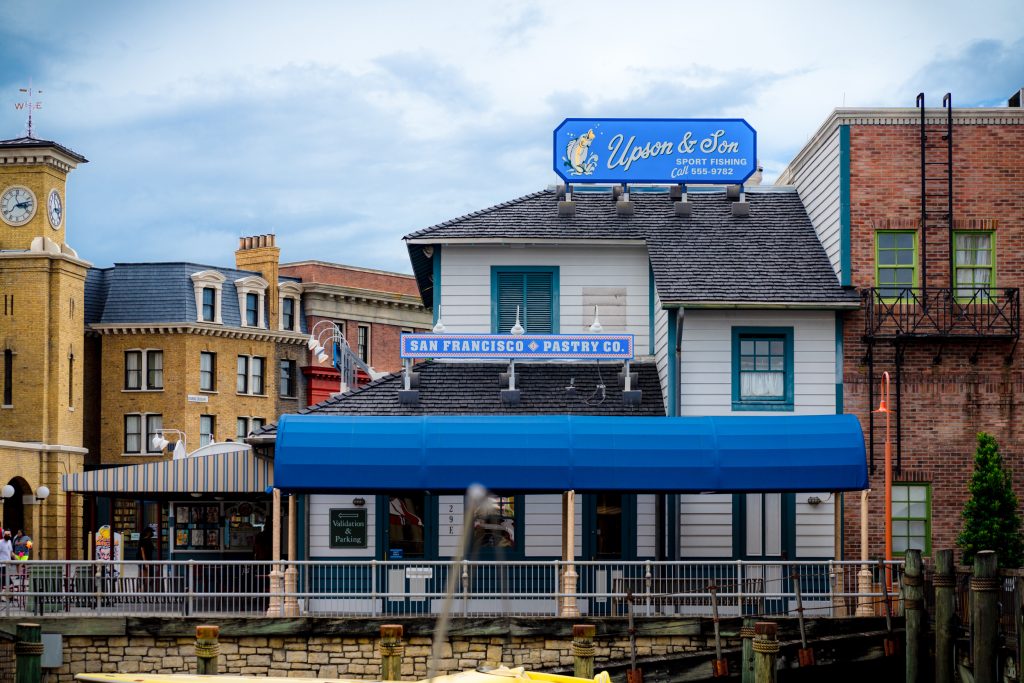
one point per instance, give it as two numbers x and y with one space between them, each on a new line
911 517
534 289
974 265
762 368
895 263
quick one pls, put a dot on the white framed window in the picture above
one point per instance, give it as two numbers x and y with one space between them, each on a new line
208 285
207 427
248 425
139 430
363 343
207 371
289 296
252 291
287 383
250 375
143 370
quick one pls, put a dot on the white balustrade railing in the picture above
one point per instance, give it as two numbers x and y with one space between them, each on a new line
410 588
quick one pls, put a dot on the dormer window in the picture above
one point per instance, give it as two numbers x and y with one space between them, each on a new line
208 286
209 304
252 309
289 294
252 291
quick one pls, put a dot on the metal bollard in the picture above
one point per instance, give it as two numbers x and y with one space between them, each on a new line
28 652
207 650
391 650
583 650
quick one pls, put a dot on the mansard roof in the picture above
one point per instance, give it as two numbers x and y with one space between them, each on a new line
710 258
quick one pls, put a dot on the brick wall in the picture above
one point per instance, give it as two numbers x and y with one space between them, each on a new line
337 274
945 402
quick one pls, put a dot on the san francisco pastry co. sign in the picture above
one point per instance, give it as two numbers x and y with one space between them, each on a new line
676 151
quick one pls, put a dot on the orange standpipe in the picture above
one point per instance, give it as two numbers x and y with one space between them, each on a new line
883 407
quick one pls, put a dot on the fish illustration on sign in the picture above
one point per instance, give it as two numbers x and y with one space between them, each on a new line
576 157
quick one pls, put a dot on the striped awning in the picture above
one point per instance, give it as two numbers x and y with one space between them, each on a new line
239 471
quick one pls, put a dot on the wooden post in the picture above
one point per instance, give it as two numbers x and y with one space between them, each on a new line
28 652
766 650
207 650
913 610
291 574
805 656
583 650
747 663
569 577
945 615
391 649
985 616
275 604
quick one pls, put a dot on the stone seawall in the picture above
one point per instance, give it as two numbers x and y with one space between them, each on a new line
337 648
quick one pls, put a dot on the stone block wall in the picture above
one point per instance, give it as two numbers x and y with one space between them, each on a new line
315 655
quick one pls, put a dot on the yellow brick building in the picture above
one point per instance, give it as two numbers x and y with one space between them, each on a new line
187 351
42 310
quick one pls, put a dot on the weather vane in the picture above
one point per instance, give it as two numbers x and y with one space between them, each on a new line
29 104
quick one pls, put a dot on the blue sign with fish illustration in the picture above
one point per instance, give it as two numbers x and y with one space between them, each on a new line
674 151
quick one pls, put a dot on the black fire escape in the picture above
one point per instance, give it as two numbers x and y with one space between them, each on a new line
940 315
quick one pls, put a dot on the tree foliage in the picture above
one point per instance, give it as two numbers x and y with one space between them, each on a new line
991 515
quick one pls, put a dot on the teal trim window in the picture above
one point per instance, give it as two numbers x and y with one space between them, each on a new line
533 290
974 263
895 263
911 518
762 368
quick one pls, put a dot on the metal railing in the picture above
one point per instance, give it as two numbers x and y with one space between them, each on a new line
892 312
485 588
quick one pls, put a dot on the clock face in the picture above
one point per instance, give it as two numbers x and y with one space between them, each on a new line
55 209
17 205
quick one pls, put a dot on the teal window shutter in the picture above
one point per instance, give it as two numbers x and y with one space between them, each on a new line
533 290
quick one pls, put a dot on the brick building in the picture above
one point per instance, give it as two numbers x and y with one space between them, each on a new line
41 294
207 353
371 308
939 274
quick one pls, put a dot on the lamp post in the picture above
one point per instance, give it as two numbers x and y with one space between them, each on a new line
883 407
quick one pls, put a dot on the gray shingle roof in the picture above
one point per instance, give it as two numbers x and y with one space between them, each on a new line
132 293
771 256
474 389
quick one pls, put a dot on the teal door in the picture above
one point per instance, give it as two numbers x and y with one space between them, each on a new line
609 538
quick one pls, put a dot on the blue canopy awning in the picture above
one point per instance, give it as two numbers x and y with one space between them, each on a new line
327 453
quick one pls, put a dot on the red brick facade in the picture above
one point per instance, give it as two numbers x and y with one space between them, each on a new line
950 390
384 303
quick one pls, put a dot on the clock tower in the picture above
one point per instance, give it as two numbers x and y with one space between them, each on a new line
42 341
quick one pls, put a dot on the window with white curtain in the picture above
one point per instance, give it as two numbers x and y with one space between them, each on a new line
974 264
762 369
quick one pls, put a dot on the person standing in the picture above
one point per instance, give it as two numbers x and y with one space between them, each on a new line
6 553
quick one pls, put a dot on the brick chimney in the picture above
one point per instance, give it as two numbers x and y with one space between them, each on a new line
258 253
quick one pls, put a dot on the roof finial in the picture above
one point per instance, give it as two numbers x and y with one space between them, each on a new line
29 104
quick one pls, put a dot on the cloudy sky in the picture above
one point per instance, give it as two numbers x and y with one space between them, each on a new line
341 126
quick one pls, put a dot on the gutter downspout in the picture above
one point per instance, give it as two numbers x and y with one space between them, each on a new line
672 500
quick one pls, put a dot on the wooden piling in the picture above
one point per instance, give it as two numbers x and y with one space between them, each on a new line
747 662
391 649
207 650
985 616
28 652
766 650
583 650
945 615
913 610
